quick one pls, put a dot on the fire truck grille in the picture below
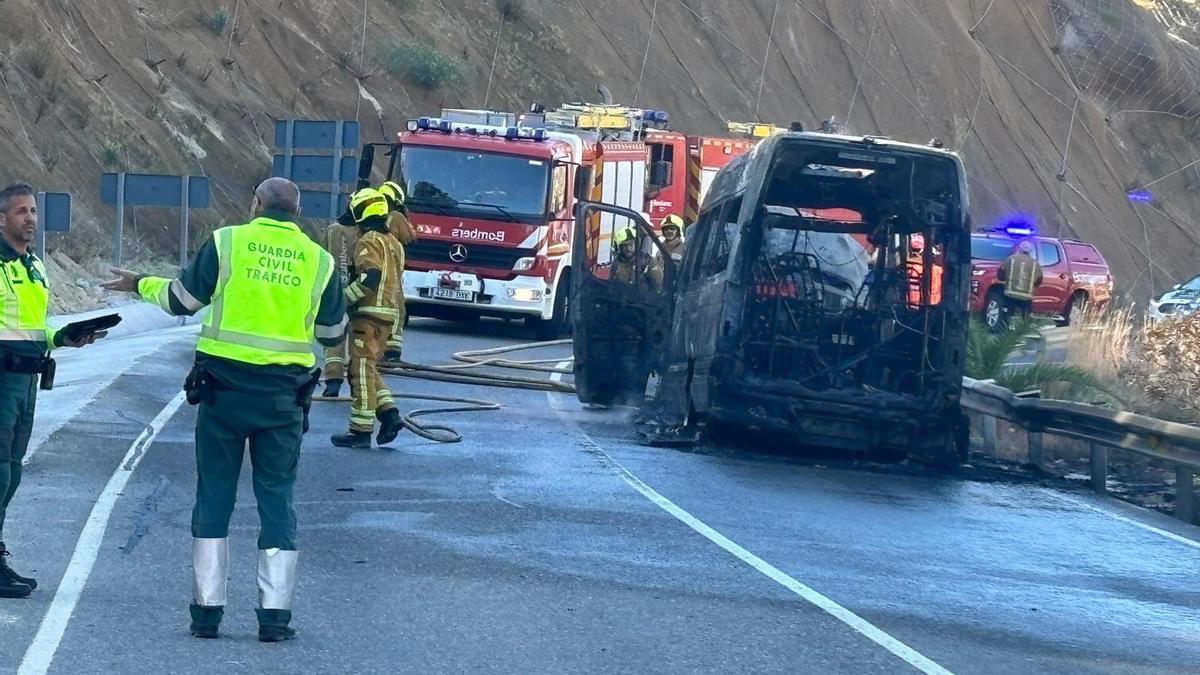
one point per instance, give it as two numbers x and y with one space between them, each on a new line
469 255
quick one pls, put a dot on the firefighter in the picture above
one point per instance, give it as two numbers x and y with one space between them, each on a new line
404 232
24 341
373 297
1021 275
340 239
631 266
915 267
272 290
672 231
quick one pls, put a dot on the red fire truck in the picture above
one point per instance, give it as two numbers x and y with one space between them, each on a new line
493 204
682 167
492 198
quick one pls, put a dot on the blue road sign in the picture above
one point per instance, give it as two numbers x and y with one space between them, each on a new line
56 212
314 134
314 204
307 169
155 190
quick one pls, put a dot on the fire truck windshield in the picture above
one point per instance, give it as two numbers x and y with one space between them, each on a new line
477 185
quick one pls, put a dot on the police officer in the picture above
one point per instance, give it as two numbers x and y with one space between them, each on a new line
24 341
340 239
374 297
272 290
404 232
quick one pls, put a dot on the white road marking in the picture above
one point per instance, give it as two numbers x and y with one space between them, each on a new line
849 618
84 373
1125 519
45 644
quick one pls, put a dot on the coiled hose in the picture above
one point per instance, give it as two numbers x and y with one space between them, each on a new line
461 373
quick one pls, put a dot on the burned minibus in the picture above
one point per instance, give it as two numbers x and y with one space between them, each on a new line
822 296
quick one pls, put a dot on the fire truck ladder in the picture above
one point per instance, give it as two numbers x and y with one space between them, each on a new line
754 129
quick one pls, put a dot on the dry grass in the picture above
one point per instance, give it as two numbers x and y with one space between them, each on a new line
1101 340
1154 368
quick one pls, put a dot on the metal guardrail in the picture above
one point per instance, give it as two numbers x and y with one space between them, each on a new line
1170 442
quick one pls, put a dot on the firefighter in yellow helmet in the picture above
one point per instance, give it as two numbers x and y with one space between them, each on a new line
672 232
631 266
341 237
372 297
404 232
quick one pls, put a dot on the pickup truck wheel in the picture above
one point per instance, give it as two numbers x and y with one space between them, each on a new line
1076 304
994 315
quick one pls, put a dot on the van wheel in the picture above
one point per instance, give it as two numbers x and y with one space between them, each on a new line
546 330
994 316
1077 303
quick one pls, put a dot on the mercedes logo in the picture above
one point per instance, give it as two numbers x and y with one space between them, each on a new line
458 253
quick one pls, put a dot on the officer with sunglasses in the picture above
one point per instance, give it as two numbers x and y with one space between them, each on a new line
25 341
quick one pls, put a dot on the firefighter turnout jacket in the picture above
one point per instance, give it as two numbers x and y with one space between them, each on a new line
340 241
402 228
1021 275
377 289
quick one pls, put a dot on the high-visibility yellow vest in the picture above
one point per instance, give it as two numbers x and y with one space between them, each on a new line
269 288
25 295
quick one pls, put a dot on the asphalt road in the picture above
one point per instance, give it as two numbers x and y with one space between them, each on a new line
550 542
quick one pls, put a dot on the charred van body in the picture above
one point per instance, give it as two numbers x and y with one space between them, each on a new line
822 294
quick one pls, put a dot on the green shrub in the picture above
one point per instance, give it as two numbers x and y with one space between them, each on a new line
39 58
422 65
215 20
112 154
511 10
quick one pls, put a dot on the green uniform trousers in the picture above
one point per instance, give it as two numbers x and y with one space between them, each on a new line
18 396
271 426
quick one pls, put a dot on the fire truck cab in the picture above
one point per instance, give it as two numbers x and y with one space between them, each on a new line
492 200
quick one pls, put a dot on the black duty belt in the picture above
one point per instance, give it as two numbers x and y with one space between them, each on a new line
31 365
35 365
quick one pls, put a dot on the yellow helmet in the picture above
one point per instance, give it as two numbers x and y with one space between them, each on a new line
366 203
393 192
672 220
625 234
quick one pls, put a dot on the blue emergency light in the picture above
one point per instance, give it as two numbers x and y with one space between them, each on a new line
1142 196
1018 225
511 133
423 123
445 127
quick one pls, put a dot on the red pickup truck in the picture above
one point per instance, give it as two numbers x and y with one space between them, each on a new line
1074 274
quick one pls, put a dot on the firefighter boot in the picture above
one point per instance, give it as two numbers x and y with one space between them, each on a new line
276 585
210 565
389 426
359 440
333 387
8 574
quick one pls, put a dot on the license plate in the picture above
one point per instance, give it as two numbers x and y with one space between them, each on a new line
452 294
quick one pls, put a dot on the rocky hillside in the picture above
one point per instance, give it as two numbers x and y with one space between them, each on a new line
1060 107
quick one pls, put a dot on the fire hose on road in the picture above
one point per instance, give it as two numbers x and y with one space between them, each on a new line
464 373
